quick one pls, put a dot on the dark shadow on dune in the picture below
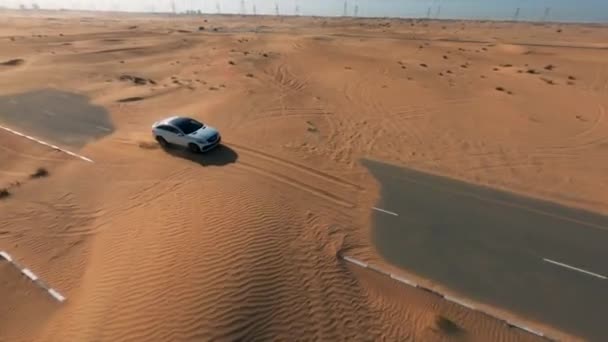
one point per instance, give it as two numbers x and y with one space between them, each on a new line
489 245
131 99
219 156
13 62
447 326
55 116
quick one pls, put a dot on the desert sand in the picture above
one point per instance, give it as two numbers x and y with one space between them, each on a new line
154 245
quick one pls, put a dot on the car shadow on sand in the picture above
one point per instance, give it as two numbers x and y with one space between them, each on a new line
219 156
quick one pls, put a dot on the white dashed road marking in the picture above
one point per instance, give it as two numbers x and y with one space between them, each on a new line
458 301
404 280
105 129
6 256
355 261
385 211
33 277
575 268
29 274
56 295
47 144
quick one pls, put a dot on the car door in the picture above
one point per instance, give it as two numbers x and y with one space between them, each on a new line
179 136
168 133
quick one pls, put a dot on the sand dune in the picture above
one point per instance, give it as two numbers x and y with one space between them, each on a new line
242 243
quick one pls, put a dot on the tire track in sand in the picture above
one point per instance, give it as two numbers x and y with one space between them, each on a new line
285 79
583 144
299 167
600 118
297 184
288 113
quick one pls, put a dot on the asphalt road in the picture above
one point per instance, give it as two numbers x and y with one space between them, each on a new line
63 118
539 260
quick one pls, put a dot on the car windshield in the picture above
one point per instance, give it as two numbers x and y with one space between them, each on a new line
188 126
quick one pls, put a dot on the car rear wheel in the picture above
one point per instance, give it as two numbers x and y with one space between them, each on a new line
162 142
194 148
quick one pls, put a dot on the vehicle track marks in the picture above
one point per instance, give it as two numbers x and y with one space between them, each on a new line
299 167
286 80
586 144
297 184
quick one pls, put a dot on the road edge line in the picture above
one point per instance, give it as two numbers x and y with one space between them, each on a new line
32 277
54 147
574 268
451 299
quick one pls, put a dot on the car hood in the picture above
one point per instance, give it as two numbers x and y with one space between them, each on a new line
204 133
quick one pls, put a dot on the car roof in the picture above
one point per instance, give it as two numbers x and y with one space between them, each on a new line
171 120
168 121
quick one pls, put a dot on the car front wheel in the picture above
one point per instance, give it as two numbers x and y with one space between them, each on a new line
194 148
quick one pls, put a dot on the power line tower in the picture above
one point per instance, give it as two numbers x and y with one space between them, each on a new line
255 11
438 11
173 6
345 12
516 15
243 11
297 9
218 8
276 8
356 11
428 13
547 12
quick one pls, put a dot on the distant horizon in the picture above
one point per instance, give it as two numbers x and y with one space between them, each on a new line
586 11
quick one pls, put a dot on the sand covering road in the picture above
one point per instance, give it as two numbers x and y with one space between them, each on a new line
154 245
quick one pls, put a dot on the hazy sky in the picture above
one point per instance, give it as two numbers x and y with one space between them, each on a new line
569 10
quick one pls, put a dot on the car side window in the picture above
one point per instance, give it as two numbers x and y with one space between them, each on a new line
168 129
